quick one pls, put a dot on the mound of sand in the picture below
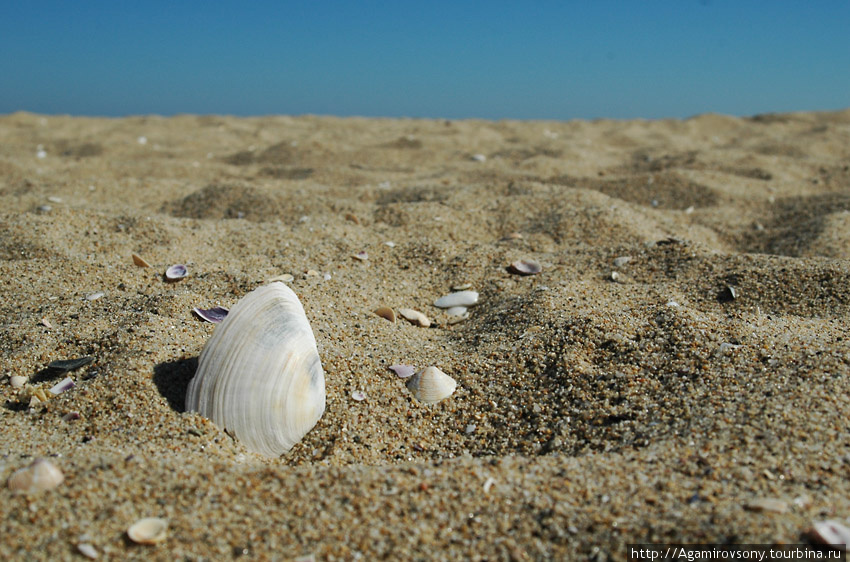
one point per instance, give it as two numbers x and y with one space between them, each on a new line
657 397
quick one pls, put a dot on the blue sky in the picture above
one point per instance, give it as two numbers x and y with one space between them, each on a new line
495 60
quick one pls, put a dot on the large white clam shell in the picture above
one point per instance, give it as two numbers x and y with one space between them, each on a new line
260 376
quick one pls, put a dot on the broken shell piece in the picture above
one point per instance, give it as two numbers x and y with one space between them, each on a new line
462 287
358 395
259 375
149 530
65 384
830 532
771 505
18 381
95 296
70 364
39 476
285 277
87 550
430 385
176 272
140 261
456 311
386 312
214 315
415 317
403 371
622 260
525 267
460 298
362 256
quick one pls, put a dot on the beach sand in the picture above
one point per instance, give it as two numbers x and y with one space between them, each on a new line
660 398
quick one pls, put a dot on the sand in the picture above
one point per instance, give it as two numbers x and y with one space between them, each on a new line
657 399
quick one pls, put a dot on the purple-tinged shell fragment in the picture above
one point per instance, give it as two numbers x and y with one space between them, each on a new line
71 416
525 267
214 315
176 272
403 371
65 384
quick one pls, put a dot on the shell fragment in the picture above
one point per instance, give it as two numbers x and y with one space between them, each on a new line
460 298
259 375
214 315
176 272
149 530
415 317
39 476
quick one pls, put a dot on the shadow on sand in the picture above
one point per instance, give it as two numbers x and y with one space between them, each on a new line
172 380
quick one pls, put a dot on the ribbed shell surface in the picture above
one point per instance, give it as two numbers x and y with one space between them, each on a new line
259 376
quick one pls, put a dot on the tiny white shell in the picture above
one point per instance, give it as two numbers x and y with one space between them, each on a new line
415 317
460 298
39 476
260 376
430 385
149 530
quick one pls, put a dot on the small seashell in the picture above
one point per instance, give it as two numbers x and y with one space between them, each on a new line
830 532
430 385
622 260
65 384
772 505
358 395
362 256
728 294
176 272
149 530
479 157
95 296
489 484
461 298
386 312
415 317
259 376
403 371
46 323
39 476
312 273
462 287
525 267
87 550
456 311
214 315
70 364
18 381
286 278
140 261
71 416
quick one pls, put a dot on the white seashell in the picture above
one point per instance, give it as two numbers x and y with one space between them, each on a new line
461 298
149 530
260 376
430 385
456 311
830 532
415 317
87 550
18 381
39 476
